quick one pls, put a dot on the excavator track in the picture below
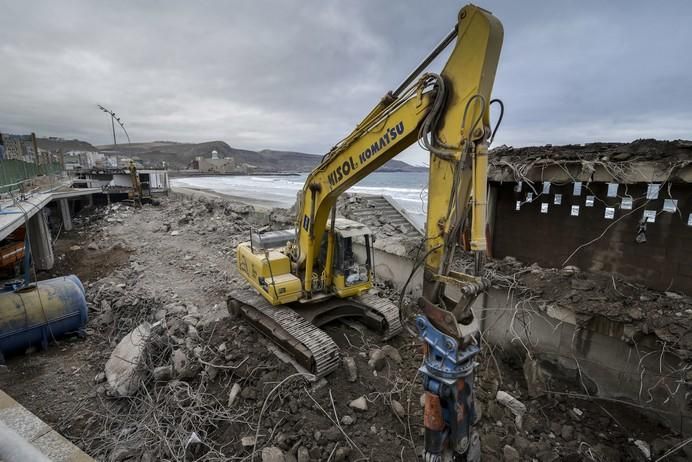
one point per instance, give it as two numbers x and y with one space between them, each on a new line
309 345
297 333
386 308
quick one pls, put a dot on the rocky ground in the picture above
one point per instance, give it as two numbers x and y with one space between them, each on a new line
209 388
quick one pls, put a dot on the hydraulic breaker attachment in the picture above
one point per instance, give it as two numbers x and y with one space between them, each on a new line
447 372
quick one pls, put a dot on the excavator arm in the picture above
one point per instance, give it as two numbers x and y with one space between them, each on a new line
451 113
448 114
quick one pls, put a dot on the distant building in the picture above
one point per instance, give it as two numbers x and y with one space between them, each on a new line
13 148
216 165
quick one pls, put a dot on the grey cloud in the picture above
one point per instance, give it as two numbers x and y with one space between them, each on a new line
299 75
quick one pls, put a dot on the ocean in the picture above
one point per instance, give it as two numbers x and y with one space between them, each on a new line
408 189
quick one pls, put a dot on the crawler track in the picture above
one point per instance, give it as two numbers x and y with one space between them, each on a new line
309 345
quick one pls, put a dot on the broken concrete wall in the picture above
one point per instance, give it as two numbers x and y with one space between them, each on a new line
592 355
393 268
601 244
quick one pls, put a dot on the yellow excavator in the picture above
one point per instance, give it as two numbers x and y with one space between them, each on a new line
323 268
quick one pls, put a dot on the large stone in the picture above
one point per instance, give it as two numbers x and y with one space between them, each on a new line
303 454
351 368
378 360
181 365
359 404
640 452
398 409
179 359
247 441
235 391
163 373
124 367
517 407
392 353
510 454
273 454
342 454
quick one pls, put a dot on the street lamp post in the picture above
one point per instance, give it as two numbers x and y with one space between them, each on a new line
114 119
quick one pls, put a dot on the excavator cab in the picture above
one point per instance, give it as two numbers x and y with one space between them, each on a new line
352 262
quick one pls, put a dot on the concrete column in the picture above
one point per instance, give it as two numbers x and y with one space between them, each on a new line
65 213
41 242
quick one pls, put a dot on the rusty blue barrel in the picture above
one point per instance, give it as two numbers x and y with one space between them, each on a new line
41 312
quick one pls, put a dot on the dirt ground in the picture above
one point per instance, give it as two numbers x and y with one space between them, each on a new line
174 263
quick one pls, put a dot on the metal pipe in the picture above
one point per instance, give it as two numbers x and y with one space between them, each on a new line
113 127
14 448
426 61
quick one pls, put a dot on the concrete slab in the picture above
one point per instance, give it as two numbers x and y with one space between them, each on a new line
76 192
14 215
36 432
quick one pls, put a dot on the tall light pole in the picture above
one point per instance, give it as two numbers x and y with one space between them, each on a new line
115 118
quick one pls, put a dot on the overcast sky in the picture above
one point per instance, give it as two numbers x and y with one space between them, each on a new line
298 75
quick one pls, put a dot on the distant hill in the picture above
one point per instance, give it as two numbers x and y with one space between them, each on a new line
179 155
55 144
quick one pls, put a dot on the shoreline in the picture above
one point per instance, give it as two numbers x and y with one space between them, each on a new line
258 204
193 174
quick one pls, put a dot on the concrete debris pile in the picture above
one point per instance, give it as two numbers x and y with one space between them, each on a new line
393 233
217 378
641 311
207 388
555 427
620 162
638 151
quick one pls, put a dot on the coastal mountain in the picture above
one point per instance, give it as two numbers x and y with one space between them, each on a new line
181 155
57 144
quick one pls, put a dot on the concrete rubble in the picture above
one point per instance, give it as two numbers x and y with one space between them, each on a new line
203 373
124 368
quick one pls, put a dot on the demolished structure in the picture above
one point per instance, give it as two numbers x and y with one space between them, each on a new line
578 361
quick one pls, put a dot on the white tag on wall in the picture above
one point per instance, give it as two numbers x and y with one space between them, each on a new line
577 189
626 203
609 213
575 211
689 220
518 206
670 205
613 189
590 201
652 191
650 216
544 207
558 199
529 197
546 187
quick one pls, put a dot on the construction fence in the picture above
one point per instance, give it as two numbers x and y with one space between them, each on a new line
14 172
22 160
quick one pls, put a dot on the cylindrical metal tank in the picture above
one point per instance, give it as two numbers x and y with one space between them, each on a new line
41 312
